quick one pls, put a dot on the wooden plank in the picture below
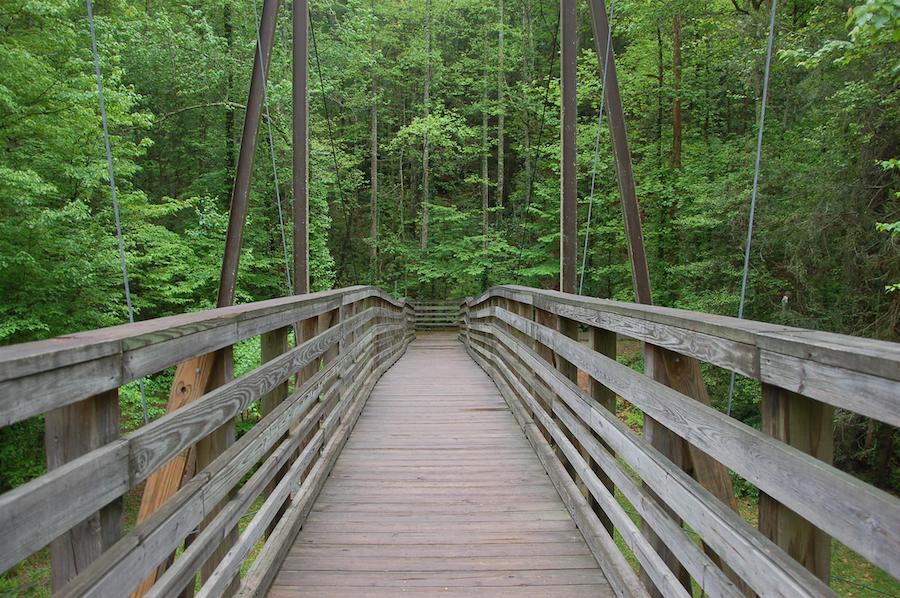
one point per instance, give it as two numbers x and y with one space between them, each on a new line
779 355
808 426
858 514
71 432
618 572
769 570
262 573
586 518
712 581
64 370
364 509
604 342
150 542
191 381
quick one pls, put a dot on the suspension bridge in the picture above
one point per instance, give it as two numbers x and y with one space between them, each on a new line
446 448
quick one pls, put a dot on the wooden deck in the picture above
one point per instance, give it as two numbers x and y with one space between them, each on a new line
438 492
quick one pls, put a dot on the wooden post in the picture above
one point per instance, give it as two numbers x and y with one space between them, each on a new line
807 425
604 343
70 432
273 344
207 450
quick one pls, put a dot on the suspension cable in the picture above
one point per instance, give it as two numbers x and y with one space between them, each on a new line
587 225
265 89
755 191
337 170
112 187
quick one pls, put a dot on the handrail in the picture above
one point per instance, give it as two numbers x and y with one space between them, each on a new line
361 332
518 335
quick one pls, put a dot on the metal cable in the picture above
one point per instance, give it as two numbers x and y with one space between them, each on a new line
112 187
265 90
754 192
587 225
337 170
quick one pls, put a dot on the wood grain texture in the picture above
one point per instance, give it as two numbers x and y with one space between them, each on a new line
769 570
711 580
145 546
860 515
66 369
862 375
357 512
806 425
71 432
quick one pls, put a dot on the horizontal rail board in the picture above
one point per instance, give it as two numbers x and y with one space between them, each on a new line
860 375
753 556
861 516
139 552
141 453
63 370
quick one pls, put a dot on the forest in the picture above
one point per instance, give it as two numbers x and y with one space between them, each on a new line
435 166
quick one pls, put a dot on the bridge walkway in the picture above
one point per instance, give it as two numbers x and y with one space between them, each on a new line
438 492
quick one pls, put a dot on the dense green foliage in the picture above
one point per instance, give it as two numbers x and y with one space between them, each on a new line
176 74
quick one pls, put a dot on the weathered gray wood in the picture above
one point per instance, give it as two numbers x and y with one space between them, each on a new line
273 344
603 342
150 542
617 571
379 443
757 559
711 579
776 354
231 564
858 514
650 561
808 426
188 563
60 371
261 574
71 432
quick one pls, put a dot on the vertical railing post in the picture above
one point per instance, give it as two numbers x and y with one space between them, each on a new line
70 432
207 450
603 342
271 345
807 425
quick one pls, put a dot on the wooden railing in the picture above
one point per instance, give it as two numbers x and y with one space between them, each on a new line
356 334
526 339
436 315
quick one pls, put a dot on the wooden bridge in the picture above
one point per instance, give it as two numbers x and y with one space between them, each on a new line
447 463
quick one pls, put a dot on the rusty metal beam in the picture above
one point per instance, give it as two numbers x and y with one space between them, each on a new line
301 146
241 188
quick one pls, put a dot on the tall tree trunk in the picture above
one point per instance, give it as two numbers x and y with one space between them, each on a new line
485 150
229 86
423 241
676 104
374 170
660 79
501 118
528 71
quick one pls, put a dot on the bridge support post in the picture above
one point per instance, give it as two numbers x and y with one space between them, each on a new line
70 432
807 425
603 342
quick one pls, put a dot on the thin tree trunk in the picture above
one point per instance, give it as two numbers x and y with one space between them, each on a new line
676 104
374 171
528 68
229 85
660 79
485 149
425 172
501 118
